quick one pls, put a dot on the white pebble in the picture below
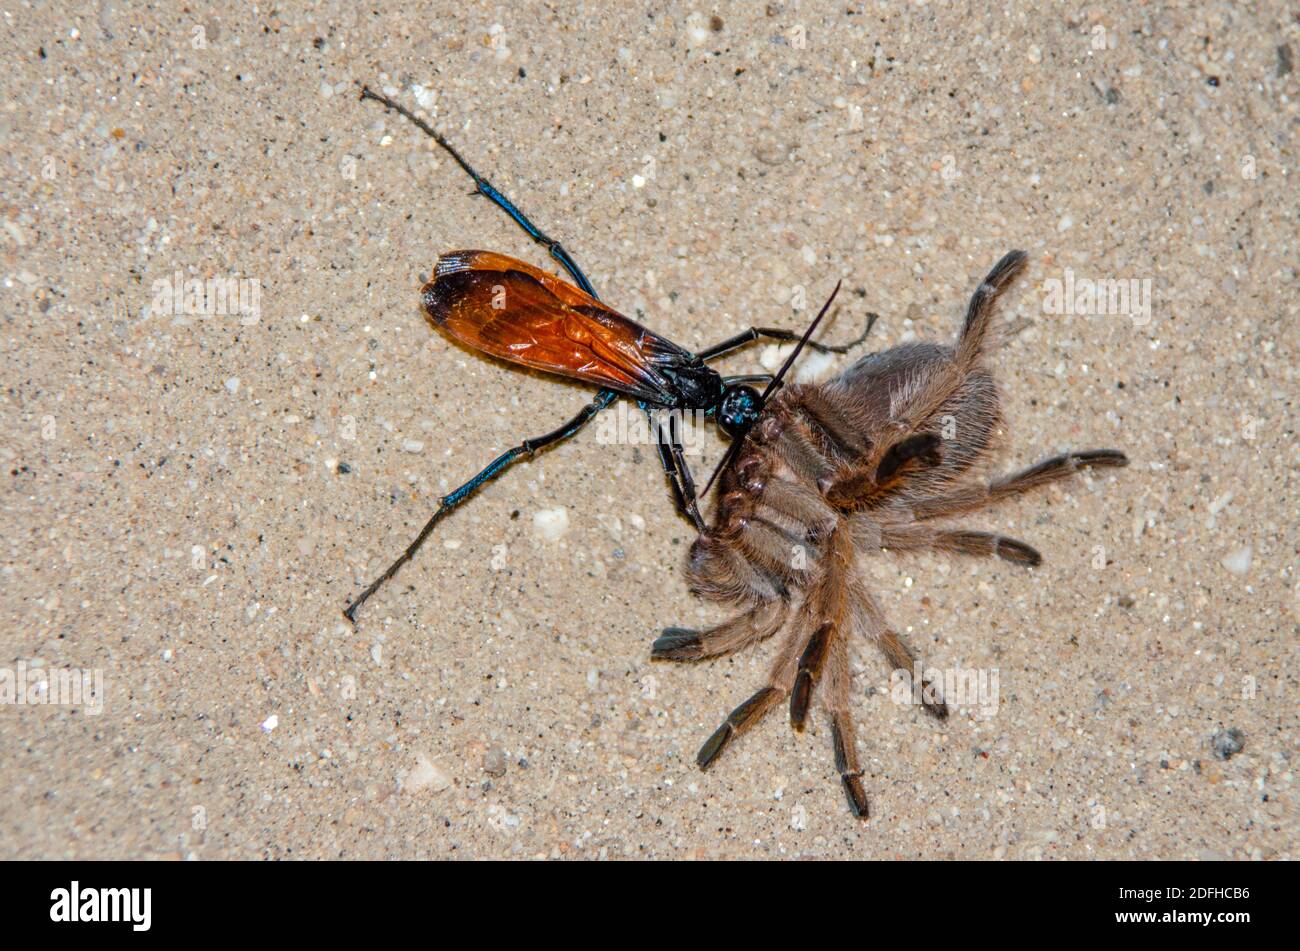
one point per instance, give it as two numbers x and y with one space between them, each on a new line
1238 562
773 356
551 524
413 445
425 776
233 384
270 723
812 366
425 96
1221 503
1065 224
697 30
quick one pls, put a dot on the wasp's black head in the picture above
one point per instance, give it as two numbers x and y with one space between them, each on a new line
739 409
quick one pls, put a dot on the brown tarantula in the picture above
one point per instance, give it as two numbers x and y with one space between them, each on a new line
865 462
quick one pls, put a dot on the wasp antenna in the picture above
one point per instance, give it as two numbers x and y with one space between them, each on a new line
726 461
789 362
734 448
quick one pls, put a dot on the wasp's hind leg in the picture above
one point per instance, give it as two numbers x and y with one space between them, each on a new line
450 501
483 187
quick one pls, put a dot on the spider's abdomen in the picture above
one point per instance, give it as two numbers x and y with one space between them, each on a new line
966 422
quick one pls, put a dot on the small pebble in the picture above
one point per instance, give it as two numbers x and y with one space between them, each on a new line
1228 743
697 31
551 524
812 367
424 776
425 96
772 153
1238 562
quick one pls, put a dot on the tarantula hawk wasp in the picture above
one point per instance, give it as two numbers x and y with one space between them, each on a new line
516 312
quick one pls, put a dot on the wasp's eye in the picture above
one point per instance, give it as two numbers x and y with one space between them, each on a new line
739 410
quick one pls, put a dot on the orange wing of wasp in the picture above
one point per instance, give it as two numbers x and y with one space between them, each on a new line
512 310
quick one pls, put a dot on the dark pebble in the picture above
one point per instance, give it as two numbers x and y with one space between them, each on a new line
1228 743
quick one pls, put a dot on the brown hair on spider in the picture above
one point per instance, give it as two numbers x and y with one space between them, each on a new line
838 470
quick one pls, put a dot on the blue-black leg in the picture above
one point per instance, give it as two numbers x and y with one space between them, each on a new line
684 476
666 458
675 468
449 502
484 187
773 333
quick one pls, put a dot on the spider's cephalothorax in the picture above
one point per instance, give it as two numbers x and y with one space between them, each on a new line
876 458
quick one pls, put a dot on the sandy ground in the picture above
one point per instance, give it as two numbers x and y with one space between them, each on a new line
191 497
